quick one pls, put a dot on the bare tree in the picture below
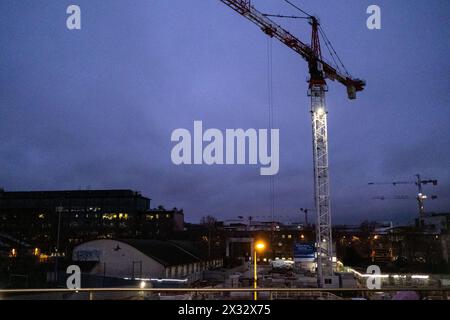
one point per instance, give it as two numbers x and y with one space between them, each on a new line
208 221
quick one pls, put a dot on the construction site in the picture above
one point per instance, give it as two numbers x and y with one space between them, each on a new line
270 234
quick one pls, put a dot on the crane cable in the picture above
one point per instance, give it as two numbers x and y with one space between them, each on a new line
331 53
283 16
327 41
296 7
271 118
331 49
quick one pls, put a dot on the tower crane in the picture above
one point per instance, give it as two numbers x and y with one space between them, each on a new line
306 211
421 197
319 71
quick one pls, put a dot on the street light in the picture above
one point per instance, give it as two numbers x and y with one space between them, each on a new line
259 246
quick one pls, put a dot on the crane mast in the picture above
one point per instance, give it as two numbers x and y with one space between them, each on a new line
317 90
319 70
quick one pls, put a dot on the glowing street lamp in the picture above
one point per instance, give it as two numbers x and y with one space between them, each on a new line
259 247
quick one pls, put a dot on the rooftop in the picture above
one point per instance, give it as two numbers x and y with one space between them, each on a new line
166 252
69 193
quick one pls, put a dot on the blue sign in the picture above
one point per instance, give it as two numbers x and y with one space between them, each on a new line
304 251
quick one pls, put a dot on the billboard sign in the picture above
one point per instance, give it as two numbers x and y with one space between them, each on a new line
304 251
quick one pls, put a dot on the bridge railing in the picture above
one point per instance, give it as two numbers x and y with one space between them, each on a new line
219 293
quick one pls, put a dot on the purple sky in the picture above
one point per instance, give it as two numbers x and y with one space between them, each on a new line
96 108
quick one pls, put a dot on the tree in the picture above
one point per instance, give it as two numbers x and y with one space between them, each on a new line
208 221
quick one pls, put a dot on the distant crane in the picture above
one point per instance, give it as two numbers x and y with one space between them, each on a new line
306 212
319 70
392 198
400 198
421 197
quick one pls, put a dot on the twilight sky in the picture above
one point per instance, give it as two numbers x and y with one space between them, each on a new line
96 107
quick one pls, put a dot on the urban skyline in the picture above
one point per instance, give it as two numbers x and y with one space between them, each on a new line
70 121
224 152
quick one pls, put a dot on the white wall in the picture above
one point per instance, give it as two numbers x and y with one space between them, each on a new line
119 262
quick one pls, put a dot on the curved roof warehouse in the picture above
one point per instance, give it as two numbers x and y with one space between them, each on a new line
144 259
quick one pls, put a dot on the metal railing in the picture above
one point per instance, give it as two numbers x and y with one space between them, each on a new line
265 293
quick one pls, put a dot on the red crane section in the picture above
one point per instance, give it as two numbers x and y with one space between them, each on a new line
311 54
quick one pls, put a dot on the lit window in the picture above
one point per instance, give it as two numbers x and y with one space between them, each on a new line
289 236
167 215
41 216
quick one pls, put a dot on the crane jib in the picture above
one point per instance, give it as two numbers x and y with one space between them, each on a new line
272 29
